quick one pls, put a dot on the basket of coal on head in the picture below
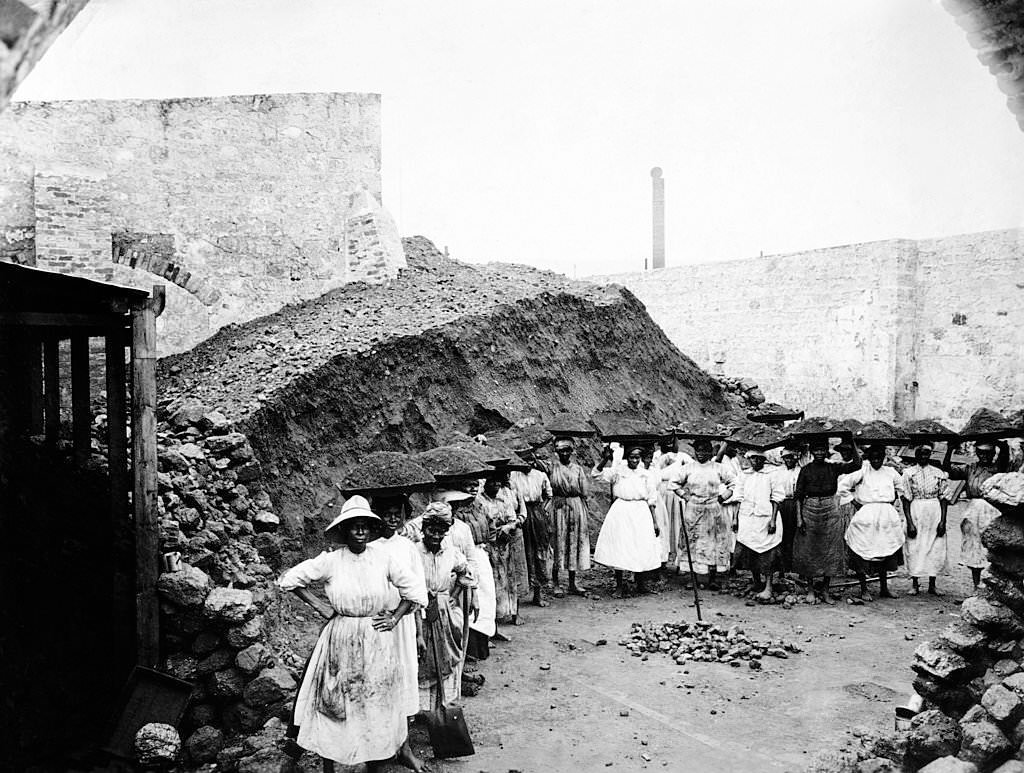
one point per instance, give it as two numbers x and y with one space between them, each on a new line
774 414
818 430
931 433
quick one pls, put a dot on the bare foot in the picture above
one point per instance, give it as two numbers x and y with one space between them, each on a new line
935 592
810 598
539 601
826 599
913 591
518 620
866 596
764 595
559 592
887 594
499 636
577 590
409 760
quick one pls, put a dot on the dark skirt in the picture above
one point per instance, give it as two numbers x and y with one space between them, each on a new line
820 550
764 563
887 564
787 513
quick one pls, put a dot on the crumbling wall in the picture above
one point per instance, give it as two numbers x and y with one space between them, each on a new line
267 199
893 329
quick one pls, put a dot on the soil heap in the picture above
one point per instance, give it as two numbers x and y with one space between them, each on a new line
257 423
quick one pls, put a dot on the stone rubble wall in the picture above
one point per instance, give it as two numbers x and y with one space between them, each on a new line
893 329
264 199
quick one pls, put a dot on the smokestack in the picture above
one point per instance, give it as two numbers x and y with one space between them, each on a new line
658 201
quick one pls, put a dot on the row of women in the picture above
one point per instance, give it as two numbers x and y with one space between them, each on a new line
408 599
818 515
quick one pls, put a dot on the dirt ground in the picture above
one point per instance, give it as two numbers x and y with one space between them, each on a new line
555 700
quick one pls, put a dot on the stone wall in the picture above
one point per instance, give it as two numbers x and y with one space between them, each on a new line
893 329
263 199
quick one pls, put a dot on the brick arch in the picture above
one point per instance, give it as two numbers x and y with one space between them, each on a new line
155 253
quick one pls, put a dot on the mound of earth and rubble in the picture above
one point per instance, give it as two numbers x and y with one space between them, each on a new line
258 423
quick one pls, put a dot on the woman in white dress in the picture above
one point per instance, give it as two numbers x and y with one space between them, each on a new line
978 513
628 540
346 709
878 530
925 501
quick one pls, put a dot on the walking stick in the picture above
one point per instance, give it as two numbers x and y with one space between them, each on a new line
689 560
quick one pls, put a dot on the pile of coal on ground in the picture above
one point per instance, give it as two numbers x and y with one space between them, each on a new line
446 346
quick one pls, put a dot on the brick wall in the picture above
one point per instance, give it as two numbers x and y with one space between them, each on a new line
73 222
885 329
253 192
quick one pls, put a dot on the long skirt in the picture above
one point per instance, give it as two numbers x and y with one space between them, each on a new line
627 541
762 563
819 550
977 516
730 511
405 632
519 557
926 553
485 595
787 515
572 535
442 657
537 538
345 707
710 531
670 521
506 580
876 535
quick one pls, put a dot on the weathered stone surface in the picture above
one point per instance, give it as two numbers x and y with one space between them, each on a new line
1004 533
1006 667
1007 560
171 459
974 714
214 422
220 445
188 412
205 643
253 658
243 635
878 765
953 699
249 471
157 744
1005 588
939 662
932 735
267 761
204 744
215 661
990 615
265 521
1015 682
227 684
272 685
192 452
984 744
949 765
1010 766
229 605
181 665
1003 705
962 637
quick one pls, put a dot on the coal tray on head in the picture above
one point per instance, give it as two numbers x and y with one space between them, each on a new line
703 429
817 427
922 430
987 424
881 432
758 437
448 463
774 412
566 425
385 471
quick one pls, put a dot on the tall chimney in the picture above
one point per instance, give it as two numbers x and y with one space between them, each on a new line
658 194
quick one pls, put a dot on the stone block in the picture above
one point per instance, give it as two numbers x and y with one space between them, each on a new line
1005 588
181 665
190 412
229 606
253 658
949 765
1003 705
1015 682
240 718
227 684
215 661
984 744
1008 560
221 445
878 765
938 662
271 686
188 587
932 735
241 636
1010 766
205 643
1004 533
214 422
204 744
962 637
265 521
990 615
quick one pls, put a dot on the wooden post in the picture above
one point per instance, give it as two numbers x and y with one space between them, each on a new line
81 417
35 377
117 419
51 399
144 465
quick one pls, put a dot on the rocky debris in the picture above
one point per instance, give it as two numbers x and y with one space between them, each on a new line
204 744
157 744
384 470
985 423
228 605
950 765
881 432
932 735
742 392
703 641
187 587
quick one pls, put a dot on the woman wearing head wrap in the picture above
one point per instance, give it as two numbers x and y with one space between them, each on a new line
447 577
878 530
628 540
345 707
784 494
535 489
734 463
978 514
505 523
758 535
819 549
670 507
570 533
704 485
925 500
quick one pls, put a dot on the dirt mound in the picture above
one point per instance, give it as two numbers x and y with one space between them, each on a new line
445 347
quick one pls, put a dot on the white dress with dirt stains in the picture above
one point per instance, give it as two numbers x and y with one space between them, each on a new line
405 550
346 708
627 540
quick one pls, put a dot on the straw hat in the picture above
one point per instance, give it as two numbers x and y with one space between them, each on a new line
354 507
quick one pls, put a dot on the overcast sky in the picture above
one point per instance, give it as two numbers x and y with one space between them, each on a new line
526 130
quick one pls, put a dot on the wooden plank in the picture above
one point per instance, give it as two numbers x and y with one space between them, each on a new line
61 319
147 542
51 386
81 417
117 432
35 378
